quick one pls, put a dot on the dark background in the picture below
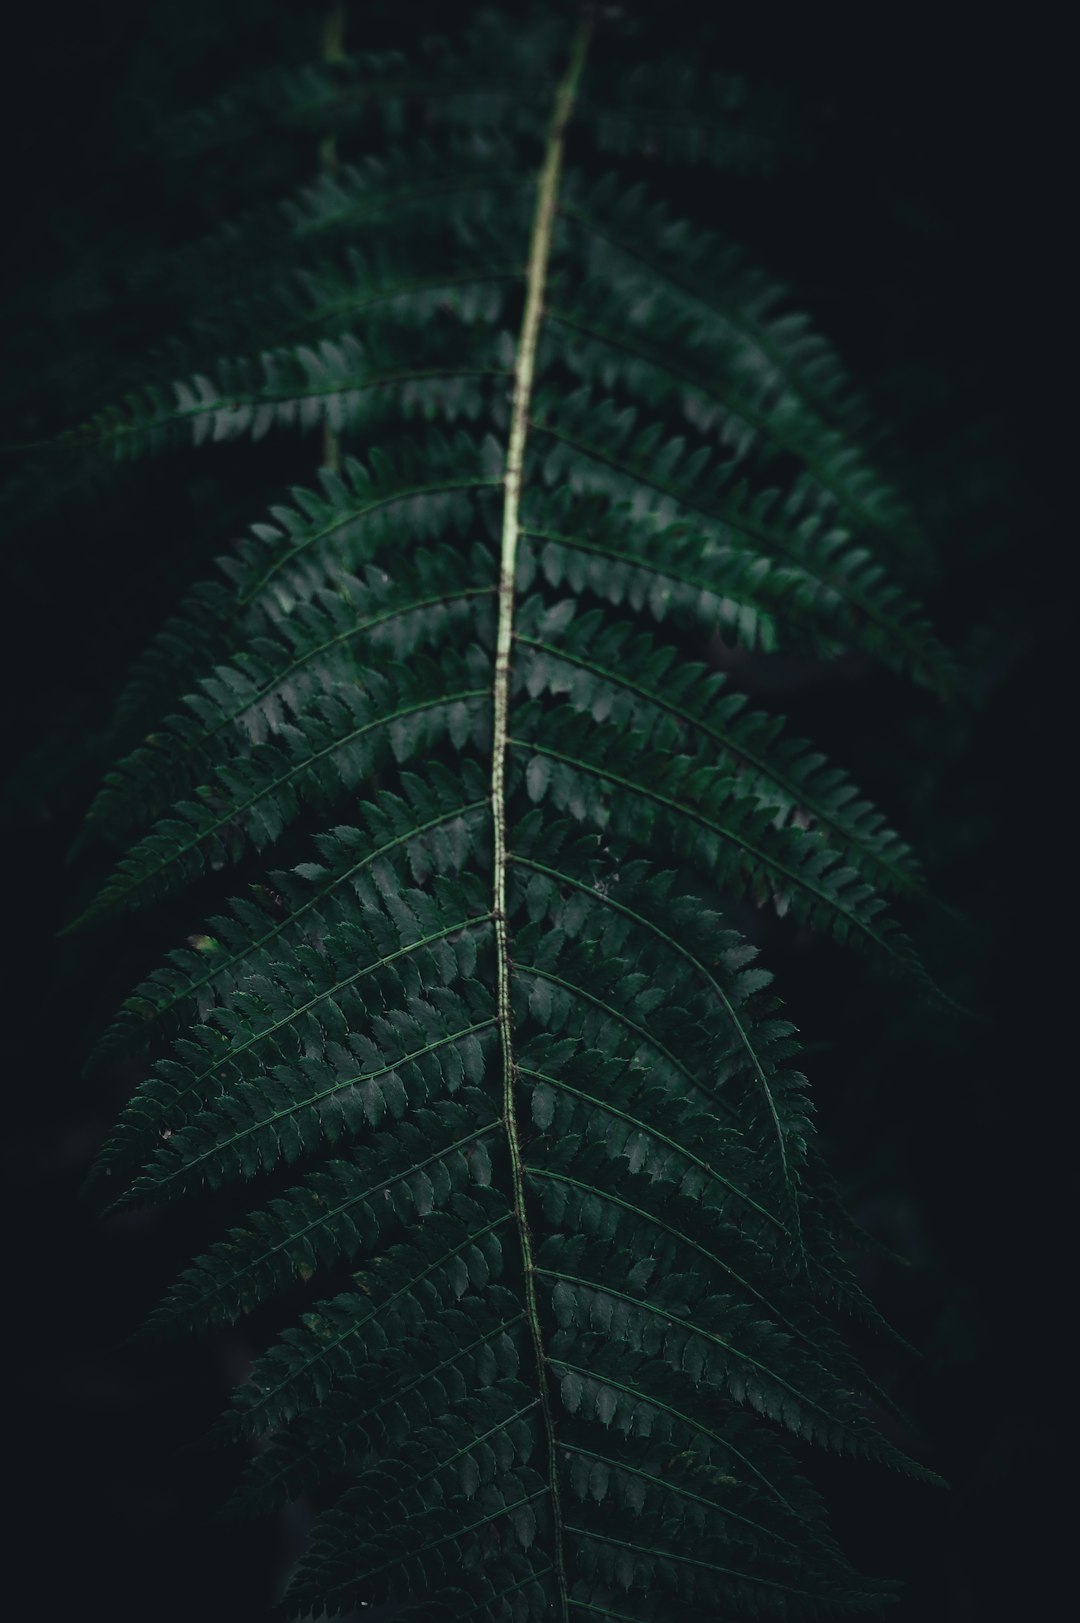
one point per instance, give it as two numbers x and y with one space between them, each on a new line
917 222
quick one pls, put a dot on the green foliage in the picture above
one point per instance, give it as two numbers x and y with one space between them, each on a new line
518 1108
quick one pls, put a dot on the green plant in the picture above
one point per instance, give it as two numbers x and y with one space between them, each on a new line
511 1083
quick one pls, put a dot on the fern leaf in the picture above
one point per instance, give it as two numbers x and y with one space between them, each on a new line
512 1130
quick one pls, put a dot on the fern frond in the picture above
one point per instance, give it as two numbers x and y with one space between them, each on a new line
670 110
596 447
487 76
335 744
342 383
665 356
668 699
512 1129
701 813
432 825
317 649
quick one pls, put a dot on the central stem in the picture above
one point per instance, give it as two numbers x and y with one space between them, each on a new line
536 279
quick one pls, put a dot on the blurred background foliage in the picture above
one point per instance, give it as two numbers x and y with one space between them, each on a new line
909 204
